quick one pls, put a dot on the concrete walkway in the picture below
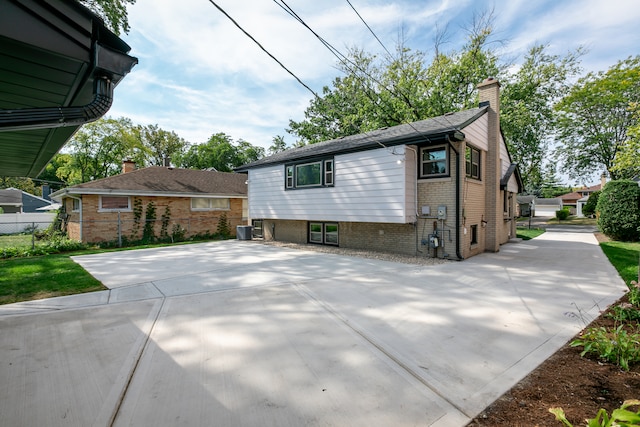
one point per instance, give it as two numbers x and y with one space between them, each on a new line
242 334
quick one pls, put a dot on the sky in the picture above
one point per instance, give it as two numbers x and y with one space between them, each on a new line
198 74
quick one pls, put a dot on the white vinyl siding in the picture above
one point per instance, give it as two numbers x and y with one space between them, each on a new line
476 133
372 186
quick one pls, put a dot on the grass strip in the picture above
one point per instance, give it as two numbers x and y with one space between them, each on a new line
528 233
624 256
26 279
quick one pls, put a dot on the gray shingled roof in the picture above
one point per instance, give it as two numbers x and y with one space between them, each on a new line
162 180
421 131
11 197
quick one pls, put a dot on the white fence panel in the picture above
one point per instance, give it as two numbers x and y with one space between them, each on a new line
11 223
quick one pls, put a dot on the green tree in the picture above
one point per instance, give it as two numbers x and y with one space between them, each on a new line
50 173
378 92
24 184
114 12
595 118
98 149
220 153
589 208
158 144
627 160
527 114
278 145
551 185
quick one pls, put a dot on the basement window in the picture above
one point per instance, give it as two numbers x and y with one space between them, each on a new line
323 233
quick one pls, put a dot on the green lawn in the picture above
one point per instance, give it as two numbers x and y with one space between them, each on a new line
624 256
31 278
528 233
15 240
25 279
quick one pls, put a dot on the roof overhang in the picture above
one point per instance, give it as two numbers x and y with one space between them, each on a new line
75 192
58 66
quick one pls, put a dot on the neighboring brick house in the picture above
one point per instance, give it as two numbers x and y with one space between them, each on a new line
197 199
576 200
442 187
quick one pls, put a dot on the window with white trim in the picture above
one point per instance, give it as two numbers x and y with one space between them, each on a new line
75 205
323 233
114 203
472 161
319 173
207 204
434 161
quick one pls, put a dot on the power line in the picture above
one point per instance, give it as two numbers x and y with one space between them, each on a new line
346 61
367 25
262 47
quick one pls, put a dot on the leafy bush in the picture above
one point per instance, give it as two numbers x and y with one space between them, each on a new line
619 208
619 417
148 234
625 312
54 245
613 345
589 209
223 226
562 214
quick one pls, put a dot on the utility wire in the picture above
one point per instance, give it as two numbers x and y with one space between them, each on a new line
367 25
262 47
346 61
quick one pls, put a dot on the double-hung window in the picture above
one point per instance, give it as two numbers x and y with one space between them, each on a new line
472 159
319 173
434 161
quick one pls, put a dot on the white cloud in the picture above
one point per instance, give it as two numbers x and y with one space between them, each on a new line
199 75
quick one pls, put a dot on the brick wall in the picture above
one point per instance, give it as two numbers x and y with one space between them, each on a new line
103 226
489 91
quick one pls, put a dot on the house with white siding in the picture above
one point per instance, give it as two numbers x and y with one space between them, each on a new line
443 187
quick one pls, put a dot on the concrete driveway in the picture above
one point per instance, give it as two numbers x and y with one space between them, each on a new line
243 334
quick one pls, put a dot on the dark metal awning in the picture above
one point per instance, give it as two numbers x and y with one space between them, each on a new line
58 67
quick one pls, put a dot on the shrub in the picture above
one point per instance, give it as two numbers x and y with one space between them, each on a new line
619 209
148 234
562 214
223 227
589 209
613 345
619 417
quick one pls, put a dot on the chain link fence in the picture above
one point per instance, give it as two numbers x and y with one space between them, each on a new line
22 234
121 232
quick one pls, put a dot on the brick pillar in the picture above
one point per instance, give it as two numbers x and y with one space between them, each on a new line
489 92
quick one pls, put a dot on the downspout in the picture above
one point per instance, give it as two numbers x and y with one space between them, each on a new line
415 194
79 199
460 257
55 117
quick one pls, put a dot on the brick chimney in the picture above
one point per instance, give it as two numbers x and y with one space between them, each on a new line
128 165
603 180
489 94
